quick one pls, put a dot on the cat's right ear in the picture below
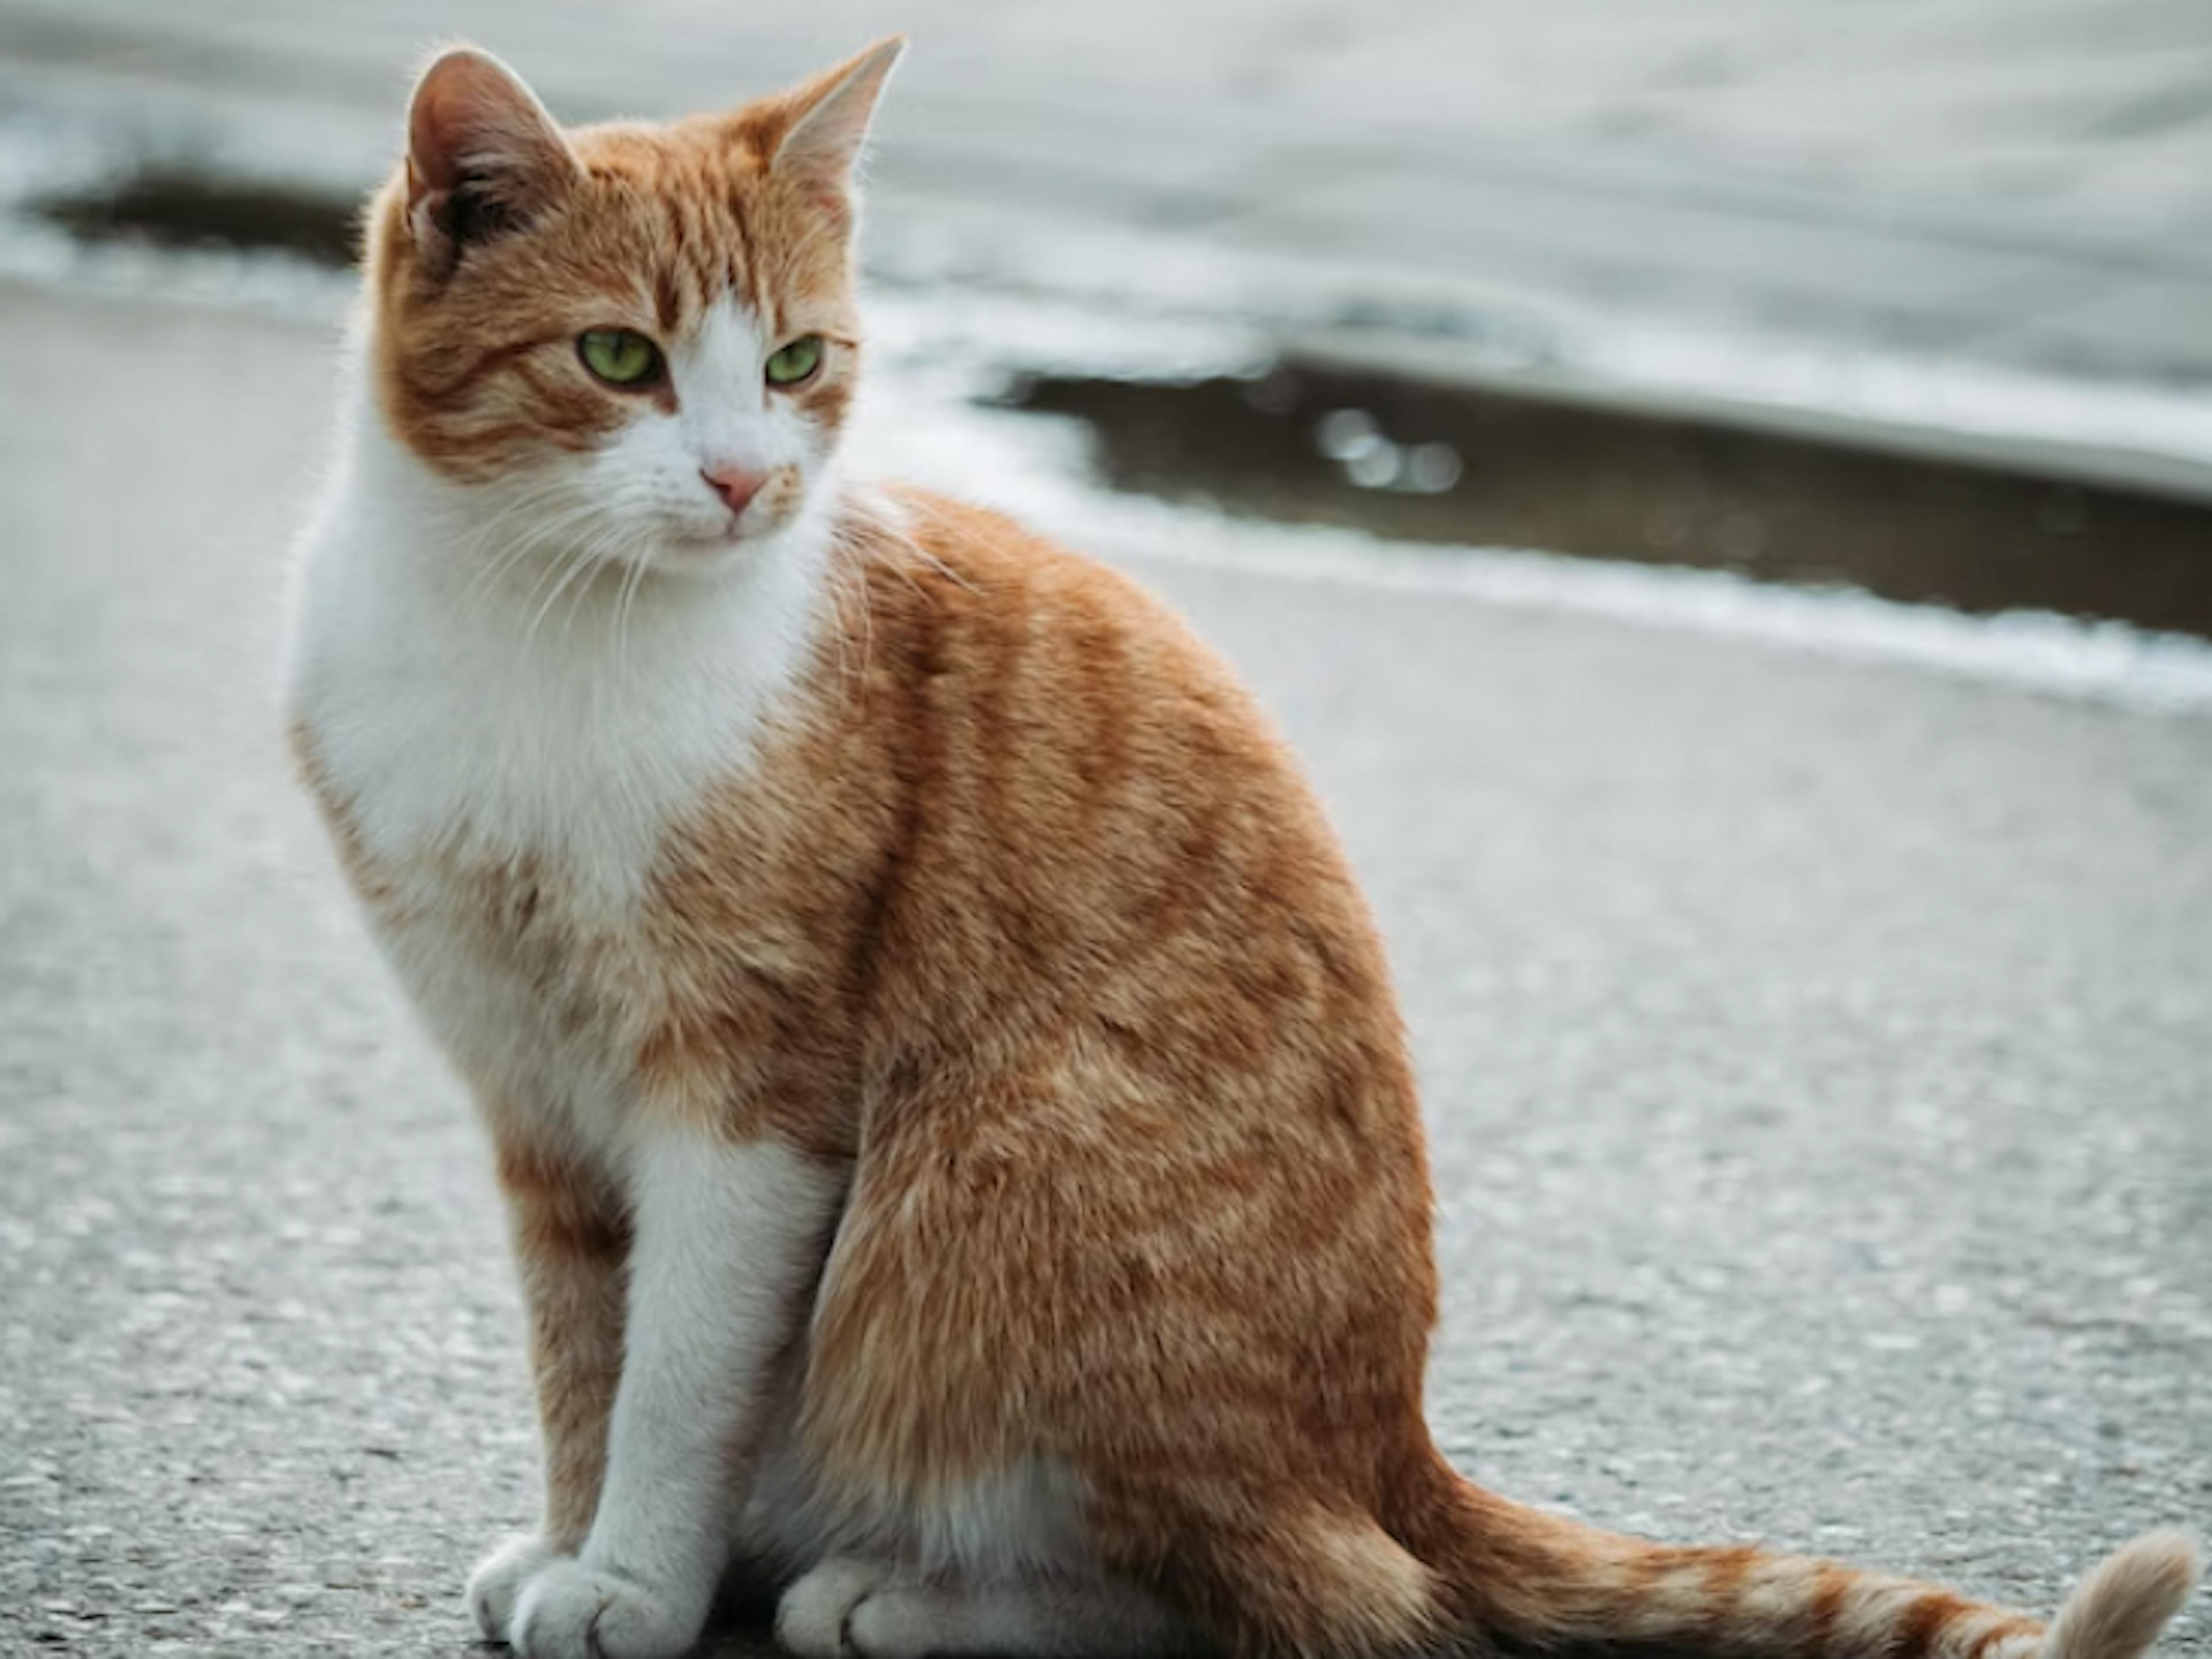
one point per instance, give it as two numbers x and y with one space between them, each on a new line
484 158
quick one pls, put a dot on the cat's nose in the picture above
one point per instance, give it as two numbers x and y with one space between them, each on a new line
736 486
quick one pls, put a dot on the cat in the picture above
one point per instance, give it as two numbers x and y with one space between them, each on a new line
959 1143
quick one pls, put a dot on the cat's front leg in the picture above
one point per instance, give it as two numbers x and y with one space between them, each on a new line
726 1237
570 1236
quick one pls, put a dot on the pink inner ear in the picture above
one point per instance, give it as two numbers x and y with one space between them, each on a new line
474 121
825 140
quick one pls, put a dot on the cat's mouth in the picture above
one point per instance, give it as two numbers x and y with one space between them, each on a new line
728 533
691 539
693 546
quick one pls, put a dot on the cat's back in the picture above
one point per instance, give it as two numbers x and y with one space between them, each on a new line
1054 702
1133 1047
1101 829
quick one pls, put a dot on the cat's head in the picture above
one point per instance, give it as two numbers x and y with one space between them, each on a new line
639 339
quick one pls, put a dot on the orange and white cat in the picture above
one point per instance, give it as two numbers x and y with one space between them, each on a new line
961 1150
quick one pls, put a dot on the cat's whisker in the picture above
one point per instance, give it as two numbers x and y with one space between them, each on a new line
916 551
550 574
560 531
623 600
852 577
481 587
897 548
527 500
595 570
578 563
844 637
614 555
514 557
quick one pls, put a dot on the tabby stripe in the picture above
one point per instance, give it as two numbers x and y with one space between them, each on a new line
1832 1587
1918 1630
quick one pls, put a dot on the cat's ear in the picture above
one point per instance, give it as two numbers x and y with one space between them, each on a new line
484 158
830 116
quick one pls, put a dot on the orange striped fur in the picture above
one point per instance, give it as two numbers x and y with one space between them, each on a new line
1018 921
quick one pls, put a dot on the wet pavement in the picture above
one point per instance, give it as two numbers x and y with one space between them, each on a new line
1815 1049
1457 465
1244 424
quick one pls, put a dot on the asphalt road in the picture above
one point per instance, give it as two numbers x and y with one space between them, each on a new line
1817 1057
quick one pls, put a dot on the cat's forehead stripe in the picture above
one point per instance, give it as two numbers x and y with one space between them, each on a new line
667 300
745 269
705 248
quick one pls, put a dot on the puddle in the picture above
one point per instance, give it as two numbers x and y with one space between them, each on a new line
1409 461
180 210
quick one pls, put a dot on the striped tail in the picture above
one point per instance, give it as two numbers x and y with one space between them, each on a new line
1530 1582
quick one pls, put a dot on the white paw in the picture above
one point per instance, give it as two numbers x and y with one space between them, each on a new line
896 1622
497 1583
810 1620
572 1610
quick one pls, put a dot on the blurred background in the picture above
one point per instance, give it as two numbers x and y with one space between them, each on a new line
1719 492
1733 248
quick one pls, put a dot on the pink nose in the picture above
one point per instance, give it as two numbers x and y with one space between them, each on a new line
733 484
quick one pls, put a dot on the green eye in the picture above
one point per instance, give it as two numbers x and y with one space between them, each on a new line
619 356
795 362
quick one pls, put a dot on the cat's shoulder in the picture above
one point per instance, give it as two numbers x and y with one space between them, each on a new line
978 559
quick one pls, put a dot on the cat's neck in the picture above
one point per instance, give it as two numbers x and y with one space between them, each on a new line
467 679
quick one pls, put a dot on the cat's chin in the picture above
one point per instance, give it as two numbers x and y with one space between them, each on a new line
690 551
693 552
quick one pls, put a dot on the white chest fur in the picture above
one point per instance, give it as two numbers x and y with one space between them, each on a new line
494 741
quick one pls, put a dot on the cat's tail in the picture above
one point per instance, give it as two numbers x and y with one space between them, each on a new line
1519 1579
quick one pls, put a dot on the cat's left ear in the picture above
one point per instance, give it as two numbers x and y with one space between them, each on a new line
484 158
830 117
